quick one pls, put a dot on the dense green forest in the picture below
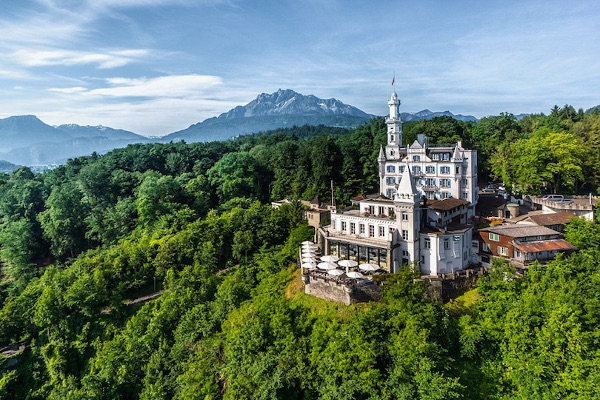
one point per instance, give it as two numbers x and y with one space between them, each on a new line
231 321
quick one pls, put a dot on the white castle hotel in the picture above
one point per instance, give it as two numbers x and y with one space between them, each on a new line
422 215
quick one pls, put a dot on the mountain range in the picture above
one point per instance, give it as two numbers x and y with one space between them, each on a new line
26 140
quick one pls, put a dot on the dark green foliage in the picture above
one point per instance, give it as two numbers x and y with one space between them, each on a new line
231 321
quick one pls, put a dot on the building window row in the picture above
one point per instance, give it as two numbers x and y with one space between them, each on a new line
362 228
445 183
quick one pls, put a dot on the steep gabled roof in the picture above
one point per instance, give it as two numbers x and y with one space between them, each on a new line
406 188
558 218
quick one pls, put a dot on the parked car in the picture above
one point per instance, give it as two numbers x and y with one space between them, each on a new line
564 201
554 197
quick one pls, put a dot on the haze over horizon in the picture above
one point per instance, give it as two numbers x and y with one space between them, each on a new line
157 66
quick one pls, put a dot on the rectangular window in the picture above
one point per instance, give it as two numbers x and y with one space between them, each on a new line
416 158
404 234
518 253
371 231
392 230
430 169
446 157
361 227
503 251
390 180
494 236
352 228
435 156
381 210
446 244
445 183
416 169
445 170
391 168
404 216
427 243
485 247
343 226
475 244
465 182
382 231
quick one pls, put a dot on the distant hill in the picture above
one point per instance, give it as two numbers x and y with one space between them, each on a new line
26 140
426 114
99 131
589 110
25 130
7 167
284 108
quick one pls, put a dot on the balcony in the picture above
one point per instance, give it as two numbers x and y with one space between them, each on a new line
430 188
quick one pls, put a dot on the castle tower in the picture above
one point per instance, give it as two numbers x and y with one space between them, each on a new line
394 129
408 219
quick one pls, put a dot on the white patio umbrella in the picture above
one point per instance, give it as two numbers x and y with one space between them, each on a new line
335 272
308 242
369 267
330 258
347 264
310 260
354 275
308 266
326 265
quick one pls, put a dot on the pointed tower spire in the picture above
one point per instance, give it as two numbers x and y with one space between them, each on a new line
381 156
458 154
407 191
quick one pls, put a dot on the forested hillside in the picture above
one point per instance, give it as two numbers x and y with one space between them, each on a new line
231 321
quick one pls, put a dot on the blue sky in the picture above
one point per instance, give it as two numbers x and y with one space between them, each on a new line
157 66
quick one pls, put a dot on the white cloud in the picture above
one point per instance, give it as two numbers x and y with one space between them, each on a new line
105 60
163 86
69 90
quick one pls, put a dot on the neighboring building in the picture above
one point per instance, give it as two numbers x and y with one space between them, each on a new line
520 244
554 221
421 216
315 212
580 206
